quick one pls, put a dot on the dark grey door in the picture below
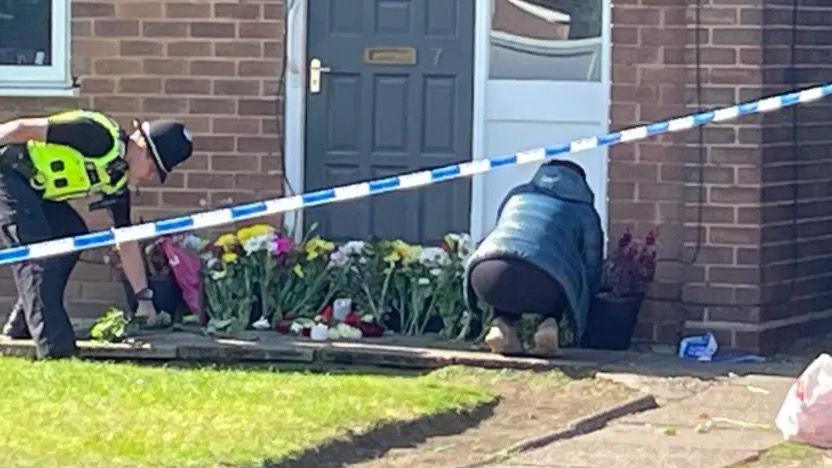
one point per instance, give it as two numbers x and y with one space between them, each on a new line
398 97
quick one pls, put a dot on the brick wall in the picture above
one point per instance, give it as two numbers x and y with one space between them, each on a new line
214 65
726 262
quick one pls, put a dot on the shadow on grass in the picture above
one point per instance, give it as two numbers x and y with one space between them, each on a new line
357 448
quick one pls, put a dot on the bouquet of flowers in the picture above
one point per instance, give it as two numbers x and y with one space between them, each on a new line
229 286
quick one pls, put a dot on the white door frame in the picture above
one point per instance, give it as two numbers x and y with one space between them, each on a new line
295 102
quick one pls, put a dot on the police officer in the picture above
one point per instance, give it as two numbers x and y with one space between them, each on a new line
46 162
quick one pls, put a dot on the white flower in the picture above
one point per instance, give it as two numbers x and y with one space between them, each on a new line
347 332
424 281
338 259
368 318
258 243
436 272
261 324
333 334
297 326
341 257
218 274
433 256
353 248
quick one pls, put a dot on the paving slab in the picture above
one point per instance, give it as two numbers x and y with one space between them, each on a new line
741 411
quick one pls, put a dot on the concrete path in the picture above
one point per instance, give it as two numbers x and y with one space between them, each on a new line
701 424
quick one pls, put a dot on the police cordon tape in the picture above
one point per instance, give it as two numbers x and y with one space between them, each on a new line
412 180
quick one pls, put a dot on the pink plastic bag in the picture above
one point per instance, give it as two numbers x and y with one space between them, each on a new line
806 414
186 268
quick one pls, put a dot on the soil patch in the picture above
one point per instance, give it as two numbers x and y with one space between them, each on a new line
530 404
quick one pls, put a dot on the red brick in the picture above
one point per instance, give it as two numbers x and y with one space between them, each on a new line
707 294
258 107
236 126
214 144
260 30
187 199
97 85
273 11
235 163
188 10
95 48
190 49
642 16
187 86
239 49
164 29
738 36
628 210
212 106
116 28
258 144
139 9
197 180
237 87
211 68
165 105
106 66
140 85
736 195
152 48
94 9
269 68
81 28
213 29
167 67
734 235
237 10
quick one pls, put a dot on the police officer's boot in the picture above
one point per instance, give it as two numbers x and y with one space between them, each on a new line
15 326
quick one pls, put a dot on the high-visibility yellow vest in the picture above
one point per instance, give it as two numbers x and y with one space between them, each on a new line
63 173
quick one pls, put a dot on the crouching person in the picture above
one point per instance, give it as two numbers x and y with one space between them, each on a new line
543 257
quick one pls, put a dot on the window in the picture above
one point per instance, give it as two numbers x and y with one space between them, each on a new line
554 40
34 46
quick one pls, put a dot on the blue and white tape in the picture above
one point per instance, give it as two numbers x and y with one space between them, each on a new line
237 213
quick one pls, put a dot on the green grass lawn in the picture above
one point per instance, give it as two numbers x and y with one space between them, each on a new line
76 413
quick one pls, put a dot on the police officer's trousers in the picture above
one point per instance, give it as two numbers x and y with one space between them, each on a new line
26 218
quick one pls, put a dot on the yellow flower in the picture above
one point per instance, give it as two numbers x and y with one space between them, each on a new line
406 252
254 230
393 257
226 241
298 271
229 257
316 247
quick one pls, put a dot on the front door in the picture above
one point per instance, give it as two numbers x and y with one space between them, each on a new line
395 95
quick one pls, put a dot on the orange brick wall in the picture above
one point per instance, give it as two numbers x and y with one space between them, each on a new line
212 64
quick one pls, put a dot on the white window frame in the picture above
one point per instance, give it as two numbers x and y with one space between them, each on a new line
52 80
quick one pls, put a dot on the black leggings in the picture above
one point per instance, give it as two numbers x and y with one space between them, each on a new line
25 218
514 287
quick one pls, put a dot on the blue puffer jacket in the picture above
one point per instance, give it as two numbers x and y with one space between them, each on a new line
552 223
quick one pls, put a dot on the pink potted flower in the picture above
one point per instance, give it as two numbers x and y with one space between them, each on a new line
627 275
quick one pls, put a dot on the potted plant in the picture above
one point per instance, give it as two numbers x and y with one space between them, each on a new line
627 275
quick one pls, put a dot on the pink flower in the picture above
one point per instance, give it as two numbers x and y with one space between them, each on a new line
281 246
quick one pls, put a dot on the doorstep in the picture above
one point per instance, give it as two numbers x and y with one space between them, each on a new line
392 351
269 347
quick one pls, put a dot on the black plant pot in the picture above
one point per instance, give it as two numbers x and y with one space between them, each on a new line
612 321
167 296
